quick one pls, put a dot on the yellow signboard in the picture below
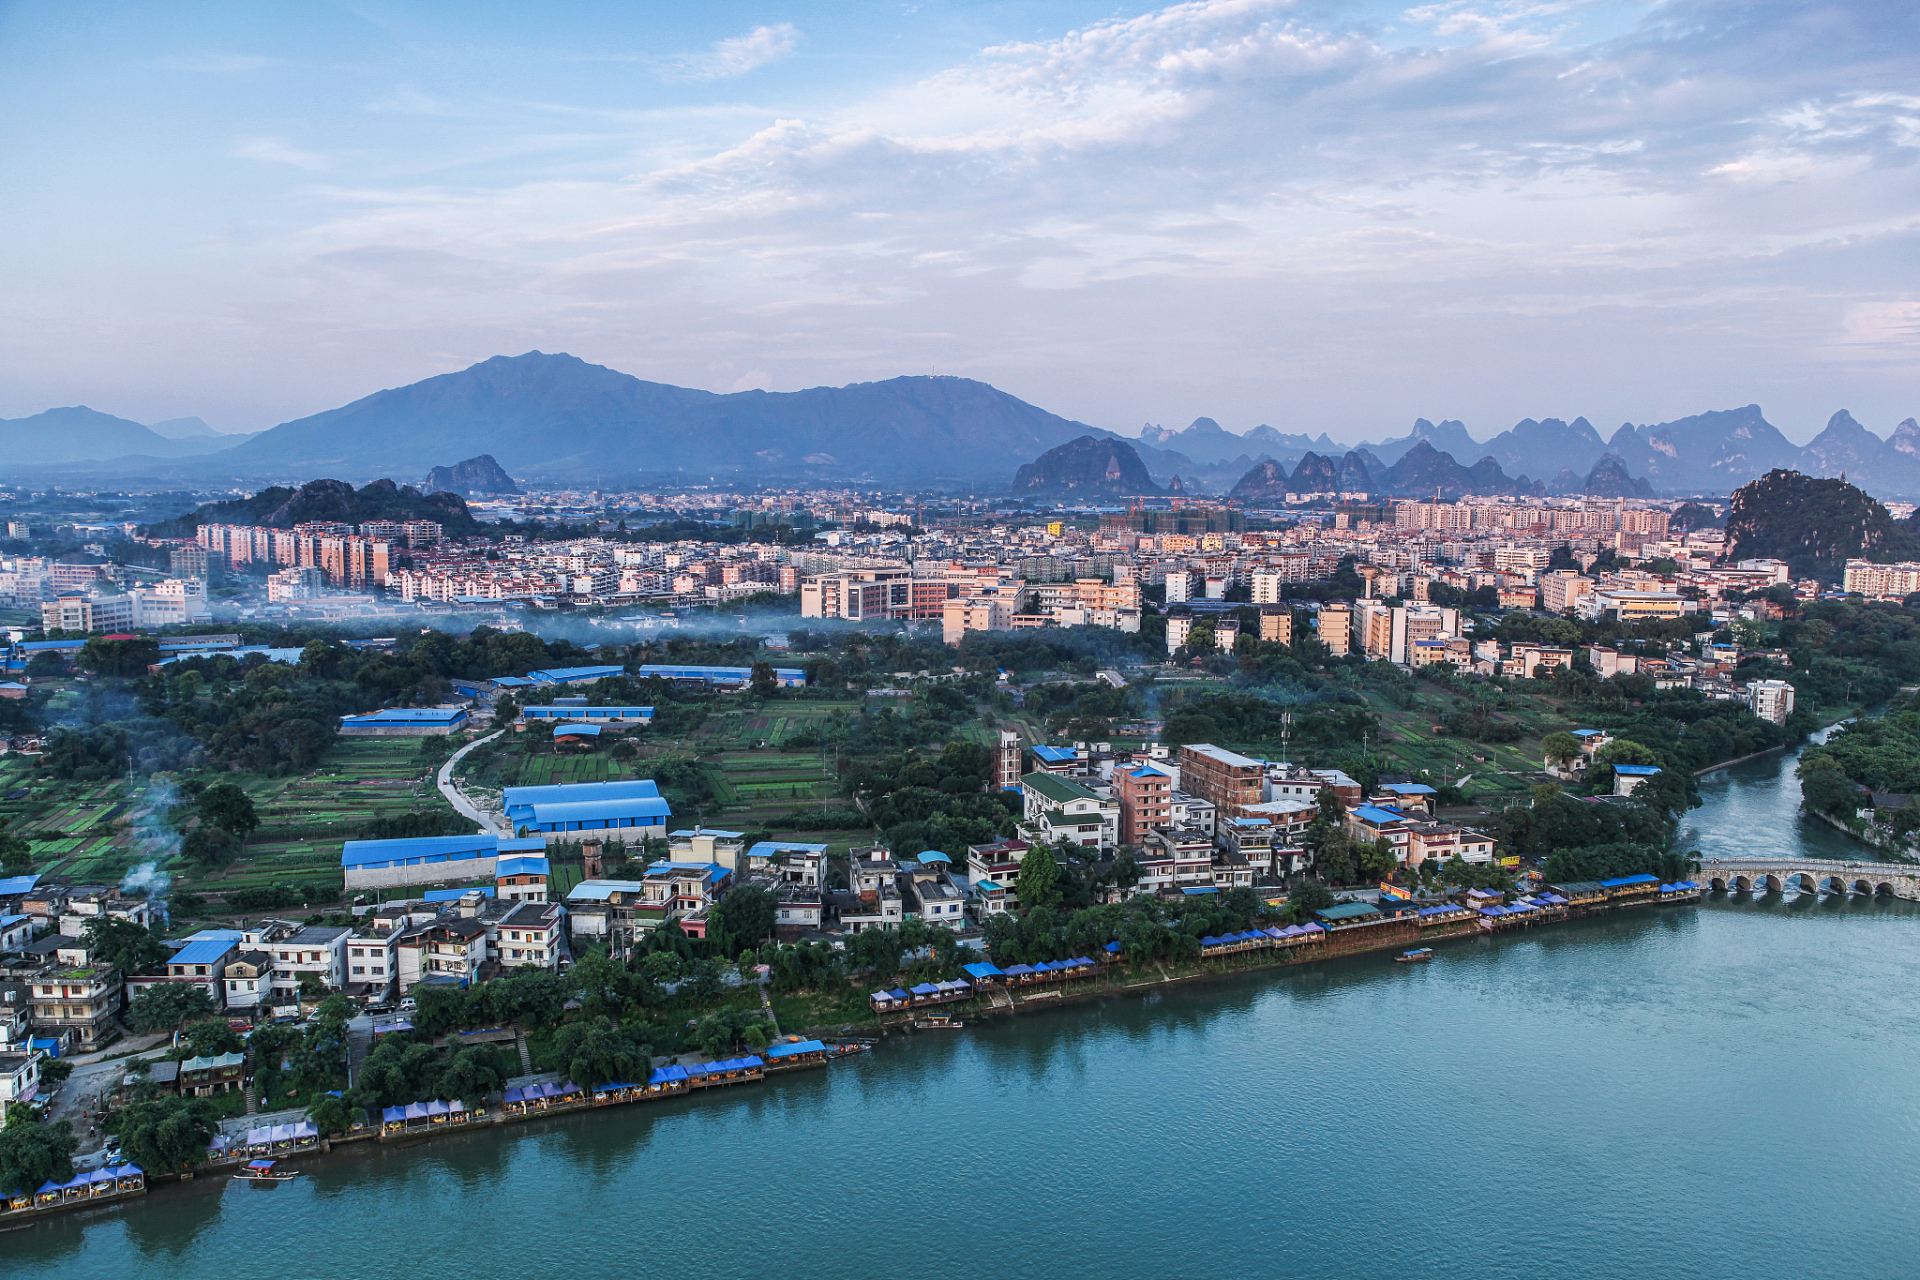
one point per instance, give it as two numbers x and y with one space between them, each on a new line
1393 890
1512 861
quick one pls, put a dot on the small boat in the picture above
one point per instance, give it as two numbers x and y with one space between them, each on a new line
262 1171
1419 955
936 1024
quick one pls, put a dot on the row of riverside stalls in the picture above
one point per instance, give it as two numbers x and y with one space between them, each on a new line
1585 895
279 1139
423 1117
1680 891
707 1075
1520 912
1032 975
1261 939
925 994
97 1184
524 1100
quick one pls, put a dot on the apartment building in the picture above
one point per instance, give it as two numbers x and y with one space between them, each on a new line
76 1004
1334 626
1227 780
1276 624
1561 591
1145 796
1770 700
1881 581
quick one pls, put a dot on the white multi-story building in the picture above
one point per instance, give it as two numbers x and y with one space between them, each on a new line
1770 700
1881 581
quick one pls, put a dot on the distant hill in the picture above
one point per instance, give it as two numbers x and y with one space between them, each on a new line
481 475
1086 466
1449 437
1266 482
1424 470
332 500
1815 525
185 429
1609 479
555 417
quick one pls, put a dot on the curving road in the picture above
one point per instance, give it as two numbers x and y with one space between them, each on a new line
454 795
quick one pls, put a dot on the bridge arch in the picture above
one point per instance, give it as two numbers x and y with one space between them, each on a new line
1774 883
1883 890
1719 884
1863 888
1802 882
1743 884
1830 884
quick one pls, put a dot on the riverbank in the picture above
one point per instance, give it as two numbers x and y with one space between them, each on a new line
1114 977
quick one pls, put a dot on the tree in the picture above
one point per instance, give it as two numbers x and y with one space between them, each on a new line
211 1038
164 1134
32 1153
762 680
209 846
128 947
16 855
1038 884
1376 860
226 806
1560 745
1624 751
598 1052
168 1005
330 1114
470 1073
746 915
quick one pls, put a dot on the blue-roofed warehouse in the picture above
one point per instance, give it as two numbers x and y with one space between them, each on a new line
382 864
637 717
574 811
411 722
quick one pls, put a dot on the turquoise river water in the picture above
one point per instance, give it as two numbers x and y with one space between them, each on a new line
1721 1091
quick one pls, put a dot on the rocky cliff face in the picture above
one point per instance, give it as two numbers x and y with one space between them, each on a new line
474 476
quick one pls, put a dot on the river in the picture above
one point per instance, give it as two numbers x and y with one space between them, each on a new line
1718 1091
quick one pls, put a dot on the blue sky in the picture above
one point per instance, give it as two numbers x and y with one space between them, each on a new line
1321 216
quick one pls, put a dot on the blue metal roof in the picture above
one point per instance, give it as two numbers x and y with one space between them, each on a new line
361 853
767 848
577 731
1054 755
18 884
1637 770
407 716
788 1050
568 791
591 811
206 952
521 867
565 675
1375 814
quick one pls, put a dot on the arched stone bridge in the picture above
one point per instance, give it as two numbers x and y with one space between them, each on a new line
1776 875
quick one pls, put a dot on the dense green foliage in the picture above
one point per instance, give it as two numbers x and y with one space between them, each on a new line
1814 525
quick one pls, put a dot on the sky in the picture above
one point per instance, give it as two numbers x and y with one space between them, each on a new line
1321 216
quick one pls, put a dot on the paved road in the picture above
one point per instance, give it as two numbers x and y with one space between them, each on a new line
454 795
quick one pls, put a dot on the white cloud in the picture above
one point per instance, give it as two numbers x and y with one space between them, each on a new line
737 55
274 151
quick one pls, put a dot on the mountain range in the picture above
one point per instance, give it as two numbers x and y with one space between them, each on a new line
551 418
79 434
